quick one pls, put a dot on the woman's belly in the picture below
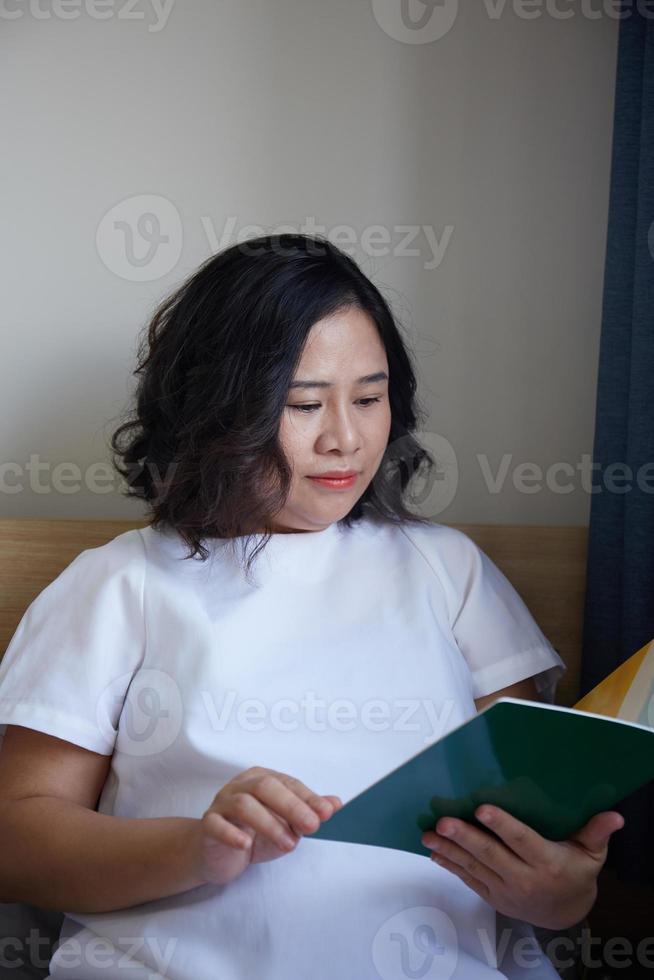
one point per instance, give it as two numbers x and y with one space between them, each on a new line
327 911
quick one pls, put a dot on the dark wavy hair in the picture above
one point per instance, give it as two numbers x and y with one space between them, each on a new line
214 367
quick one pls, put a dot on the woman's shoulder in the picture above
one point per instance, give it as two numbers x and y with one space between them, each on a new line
121 557
131 550
126 547
442 550
438 543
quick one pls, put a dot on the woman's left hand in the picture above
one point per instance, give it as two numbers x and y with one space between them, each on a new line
552 884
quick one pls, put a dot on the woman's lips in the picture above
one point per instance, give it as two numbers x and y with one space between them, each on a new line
333 484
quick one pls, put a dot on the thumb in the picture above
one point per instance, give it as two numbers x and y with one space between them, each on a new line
594 836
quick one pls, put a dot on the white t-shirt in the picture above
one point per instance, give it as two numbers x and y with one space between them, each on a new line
353 649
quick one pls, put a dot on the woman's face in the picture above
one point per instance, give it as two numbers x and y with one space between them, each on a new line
342 425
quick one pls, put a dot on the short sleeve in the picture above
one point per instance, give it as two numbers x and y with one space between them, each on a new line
81 638
492 627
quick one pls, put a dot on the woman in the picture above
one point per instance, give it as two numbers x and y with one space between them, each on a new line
179 712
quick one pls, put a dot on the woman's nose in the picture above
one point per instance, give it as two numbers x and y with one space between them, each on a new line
341 427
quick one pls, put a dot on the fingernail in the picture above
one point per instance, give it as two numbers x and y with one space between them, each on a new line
486 816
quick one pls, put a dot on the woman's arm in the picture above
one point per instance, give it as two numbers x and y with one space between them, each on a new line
523 689
57 852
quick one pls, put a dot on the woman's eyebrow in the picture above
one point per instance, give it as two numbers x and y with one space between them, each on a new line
367 379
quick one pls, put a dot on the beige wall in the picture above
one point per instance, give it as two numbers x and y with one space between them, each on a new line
496 136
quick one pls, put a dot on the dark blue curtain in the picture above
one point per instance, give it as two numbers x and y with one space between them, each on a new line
619 614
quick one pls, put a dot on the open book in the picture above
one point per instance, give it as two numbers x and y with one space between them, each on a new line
549 766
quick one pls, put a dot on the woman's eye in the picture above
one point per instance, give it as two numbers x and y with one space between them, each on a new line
310 408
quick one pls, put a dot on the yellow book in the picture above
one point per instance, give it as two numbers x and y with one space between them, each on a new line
627 692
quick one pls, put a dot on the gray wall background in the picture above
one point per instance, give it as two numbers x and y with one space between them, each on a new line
144 137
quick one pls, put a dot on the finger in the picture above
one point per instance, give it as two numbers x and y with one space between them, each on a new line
303 808
594 836
336 801
480 887
316 800
217 827
518 836
246 812
476 861
285 825
291 799
322 803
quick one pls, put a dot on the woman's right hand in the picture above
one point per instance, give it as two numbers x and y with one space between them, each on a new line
259 815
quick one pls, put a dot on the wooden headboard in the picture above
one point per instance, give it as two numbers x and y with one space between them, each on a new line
546 565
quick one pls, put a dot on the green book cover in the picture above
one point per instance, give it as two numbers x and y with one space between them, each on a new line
549 766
